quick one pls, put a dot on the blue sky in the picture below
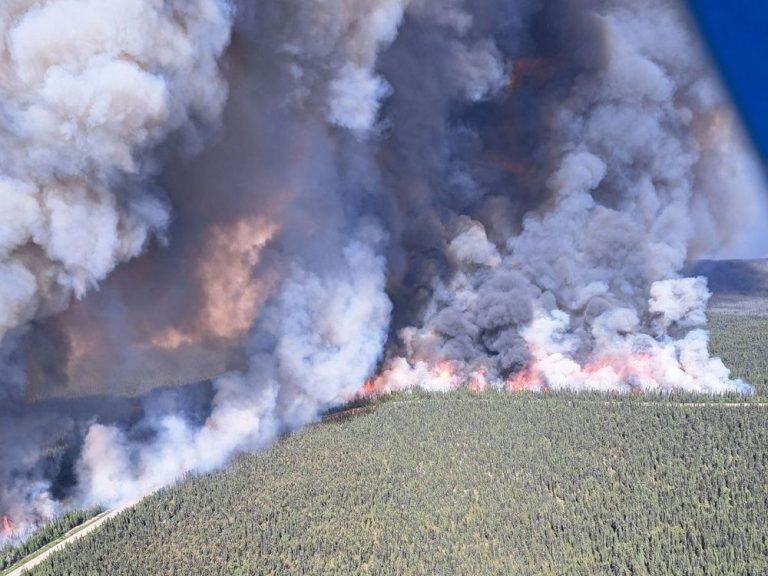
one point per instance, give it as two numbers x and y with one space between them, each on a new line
737 34
737 31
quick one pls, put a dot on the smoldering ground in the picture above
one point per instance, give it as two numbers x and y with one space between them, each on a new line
291 200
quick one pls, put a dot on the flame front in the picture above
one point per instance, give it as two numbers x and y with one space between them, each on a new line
8 529
525 380
632 371
545 372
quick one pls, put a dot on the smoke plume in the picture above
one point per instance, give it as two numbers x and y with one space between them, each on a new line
227 217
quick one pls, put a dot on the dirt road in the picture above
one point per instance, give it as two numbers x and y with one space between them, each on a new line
76 534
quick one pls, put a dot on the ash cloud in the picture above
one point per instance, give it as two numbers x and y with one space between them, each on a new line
291 201
88 90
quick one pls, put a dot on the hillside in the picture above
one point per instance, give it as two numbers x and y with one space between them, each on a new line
462 484
738 287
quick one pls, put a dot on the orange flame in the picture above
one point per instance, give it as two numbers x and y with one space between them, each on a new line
444 373
372 387
400 374
8 529
478 382
526 380
629 367
631 370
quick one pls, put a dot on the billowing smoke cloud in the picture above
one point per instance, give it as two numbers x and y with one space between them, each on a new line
88 89
371 195
313 346
579 292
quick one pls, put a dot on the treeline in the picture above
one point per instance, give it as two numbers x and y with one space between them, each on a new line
49 532
471 485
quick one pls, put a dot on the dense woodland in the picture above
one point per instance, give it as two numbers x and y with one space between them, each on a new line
742 342
463 485
473 485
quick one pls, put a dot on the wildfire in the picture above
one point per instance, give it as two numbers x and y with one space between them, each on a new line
478 381
629 367
525 380
8 528
444 375
372 387
606 372
545 372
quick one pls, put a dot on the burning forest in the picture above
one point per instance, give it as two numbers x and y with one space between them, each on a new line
227 217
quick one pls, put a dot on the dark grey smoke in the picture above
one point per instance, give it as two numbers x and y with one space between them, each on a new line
287 198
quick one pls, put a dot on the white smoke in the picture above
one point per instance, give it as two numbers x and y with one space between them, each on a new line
317 342
331 50
88 88
88 91
355 98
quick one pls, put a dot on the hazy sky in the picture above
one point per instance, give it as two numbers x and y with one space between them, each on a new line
738 37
